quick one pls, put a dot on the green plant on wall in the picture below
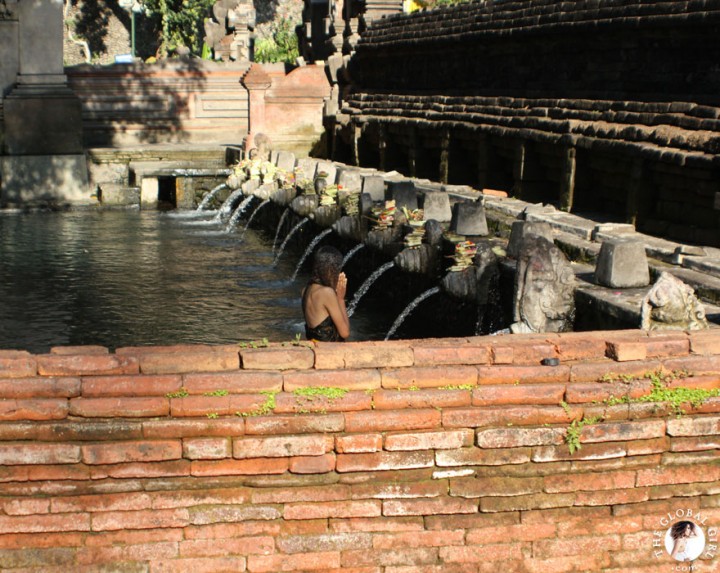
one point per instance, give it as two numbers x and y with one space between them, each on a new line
181 23
282 46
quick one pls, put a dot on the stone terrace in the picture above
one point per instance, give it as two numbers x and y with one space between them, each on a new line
415 456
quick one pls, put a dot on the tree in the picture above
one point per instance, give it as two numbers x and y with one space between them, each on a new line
181 23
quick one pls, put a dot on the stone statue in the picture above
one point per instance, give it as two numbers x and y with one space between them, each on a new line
671 305
230 33
544 299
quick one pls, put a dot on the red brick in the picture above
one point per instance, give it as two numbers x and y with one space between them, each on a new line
324 542
282 446
522 394
388 420
522 374
229 405
119 452
277 358
30 540
515 437
184 359
37 473
443 440
489 416
470 521
89 556
444 568
400 556
614 497
526 502
133 537
663 344
574 346
377 524
647 447
482 553
517 532
184 428
88 365
144 519
232 513
358 443
337 509
418 539
295 403
200 565
45 523
587 452
383 461
695 444
345 379
453 351
119 407
697 364
18 366
354 355
82 350
141 470
234 382
194 497
478 457
207 448
501 354
263 545
26 506
260 466
434 506
129 386
399 490
99 503
623 431
625 351
319 493
608 369
297 562
676 475
34 409
416 399
312 464
589 481
429 377
30 454
587 562
495 486
40 388
576 545
305 424
704 342
582 393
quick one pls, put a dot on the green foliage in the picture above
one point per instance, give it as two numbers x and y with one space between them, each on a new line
282 46
265 408
572 437
216 393
213 415
264 343
182 393
458 387
181 23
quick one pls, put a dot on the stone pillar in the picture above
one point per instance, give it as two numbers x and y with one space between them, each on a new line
444 167
567 180
43 158
256 82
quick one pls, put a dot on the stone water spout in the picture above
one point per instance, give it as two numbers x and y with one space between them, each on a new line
544 295
672 305
423 259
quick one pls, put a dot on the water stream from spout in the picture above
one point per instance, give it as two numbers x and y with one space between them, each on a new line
209 197
319 237
366 286
280 224
237 213
351 252
251 217
409 308
287 238
226 207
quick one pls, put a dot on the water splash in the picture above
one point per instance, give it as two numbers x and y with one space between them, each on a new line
237 213
209 197
409 308
366 286
227 206
280 224
251 217
287 238
319 237
351 252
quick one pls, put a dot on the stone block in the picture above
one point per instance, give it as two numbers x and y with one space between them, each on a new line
149 188
349 180
404 194
469 219
285 161
436 205
118 194
521 229
374 186
28 179
329 169
306 168
622 264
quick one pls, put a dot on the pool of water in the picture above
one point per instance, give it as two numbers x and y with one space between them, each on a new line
127 278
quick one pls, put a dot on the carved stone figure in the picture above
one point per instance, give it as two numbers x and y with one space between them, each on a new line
672 305
544 299
230 34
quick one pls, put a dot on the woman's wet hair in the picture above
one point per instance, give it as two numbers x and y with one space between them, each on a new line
327 264
678 529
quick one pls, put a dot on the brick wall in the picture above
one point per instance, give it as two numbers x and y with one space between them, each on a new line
410 456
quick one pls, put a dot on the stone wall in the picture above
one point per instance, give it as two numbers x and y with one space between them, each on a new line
412 456
595 106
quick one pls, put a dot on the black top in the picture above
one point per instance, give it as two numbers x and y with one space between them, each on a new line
326 331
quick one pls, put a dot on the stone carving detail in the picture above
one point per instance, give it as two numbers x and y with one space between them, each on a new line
544 299
671 305
7 9
230 34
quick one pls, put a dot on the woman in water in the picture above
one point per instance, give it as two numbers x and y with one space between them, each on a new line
682 533
323 299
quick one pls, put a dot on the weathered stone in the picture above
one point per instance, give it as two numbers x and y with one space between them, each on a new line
329 169
622 264
349 180
520 229
468 218
404 194
374 185
672 305
436 205
286 161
